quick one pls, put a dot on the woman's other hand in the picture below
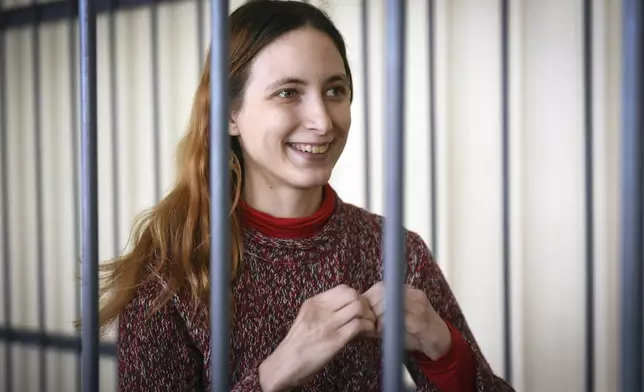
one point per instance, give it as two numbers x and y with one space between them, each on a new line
323 326
426 331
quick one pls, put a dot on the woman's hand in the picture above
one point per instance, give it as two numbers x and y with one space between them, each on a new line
323 326
426 331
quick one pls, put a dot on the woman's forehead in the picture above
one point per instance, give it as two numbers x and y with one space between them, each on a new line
303 54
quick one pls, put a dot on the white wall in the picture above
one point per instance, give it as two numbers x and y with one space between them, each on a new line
547 172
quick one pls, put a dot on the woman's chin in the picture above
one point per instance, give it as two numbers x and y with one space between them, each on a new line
308 179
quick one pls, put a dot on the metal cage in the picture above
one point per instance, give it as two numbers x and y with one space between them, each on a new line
90 349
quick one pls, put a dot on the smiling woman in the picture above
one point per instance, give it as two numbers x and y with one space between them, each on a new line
292 121
307 267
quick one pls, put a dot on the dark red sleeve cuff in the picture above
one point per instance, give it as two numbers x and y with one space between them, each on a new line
453 372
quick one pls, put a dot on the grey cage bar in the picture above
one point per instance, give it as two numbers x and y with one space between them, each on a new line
589 196
632 312
4 179
86 236
219 197
394 251
89 196
42 376
505 168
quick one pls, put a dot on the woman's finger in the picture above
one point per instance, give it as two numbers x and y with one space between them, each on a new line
353 310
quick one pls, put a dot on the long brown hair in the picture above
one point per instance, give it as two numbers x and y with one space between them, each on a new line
172 239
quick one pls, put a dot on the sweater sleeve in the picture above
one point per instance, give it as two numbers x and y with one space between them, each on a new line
160 352
455 371
249 382
423 273
153 349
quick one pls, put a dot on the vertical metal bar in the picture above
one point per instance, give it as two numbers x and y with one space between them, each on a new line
505 121
589 196
114 113
200 33
35 46
394 250
74 158
431 29
156 136
89 200
114 134
364 21
632 356
73 86
220 195
4 181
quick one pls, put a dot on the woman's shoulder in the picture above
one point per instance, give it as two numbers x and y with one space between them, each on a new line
153 296
361 221
358 219
146 298
365 231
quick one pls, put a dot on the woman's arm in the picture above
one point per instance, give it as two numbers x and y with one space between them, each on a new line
423 273
455 371
156 352
153 350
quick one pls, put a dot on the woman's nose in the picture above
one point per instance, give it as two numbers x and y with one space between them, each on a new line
317 116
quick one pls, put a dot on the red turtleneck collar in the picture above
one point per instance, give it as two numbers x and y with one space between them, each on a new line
290 227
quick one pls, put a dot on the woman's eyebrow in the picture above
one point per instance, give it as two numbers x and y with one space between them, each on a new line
292 80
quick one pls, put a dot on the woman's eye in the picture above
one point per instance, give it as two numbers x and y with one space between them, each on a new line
286 94
336 91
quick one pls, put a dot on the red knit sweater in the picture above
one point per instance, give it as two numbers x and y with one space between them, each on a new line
285 262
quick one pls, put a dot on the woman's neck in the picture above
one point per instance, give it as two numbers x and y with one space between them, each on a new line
283 202
301 225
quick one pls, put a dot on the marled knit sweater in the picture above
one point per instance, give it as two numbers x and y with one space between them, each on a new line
341 244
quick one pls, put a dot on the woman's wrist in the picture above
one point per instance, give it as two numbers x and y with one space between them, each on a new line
440 342
270 376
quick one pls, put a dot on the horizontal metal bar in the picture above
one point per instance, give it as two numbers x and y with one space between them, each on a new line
55 341
12 18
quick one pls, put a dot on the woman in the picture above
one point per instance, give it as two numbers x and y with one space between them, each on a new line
307 267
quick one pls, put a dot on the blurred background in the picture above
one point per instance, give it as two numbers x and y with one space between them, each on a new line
149 59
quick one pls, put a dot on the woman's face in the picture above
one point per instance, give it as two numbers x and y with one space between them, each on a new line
295 114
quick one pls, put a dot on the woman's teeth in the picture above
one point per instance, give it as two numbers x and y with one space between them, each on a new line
320 149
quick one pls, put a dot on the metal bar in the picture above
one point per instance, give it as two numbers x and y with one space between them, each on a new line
114 118
74 160
394 250
200 35
364 22
589 196
4 181
220 197
89 199
114 133
156 134
505 137
59 11
57 342
632 230
431 29
35 46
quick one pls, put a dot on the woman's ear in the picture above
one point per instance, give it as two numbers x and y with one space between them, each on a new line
233 130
